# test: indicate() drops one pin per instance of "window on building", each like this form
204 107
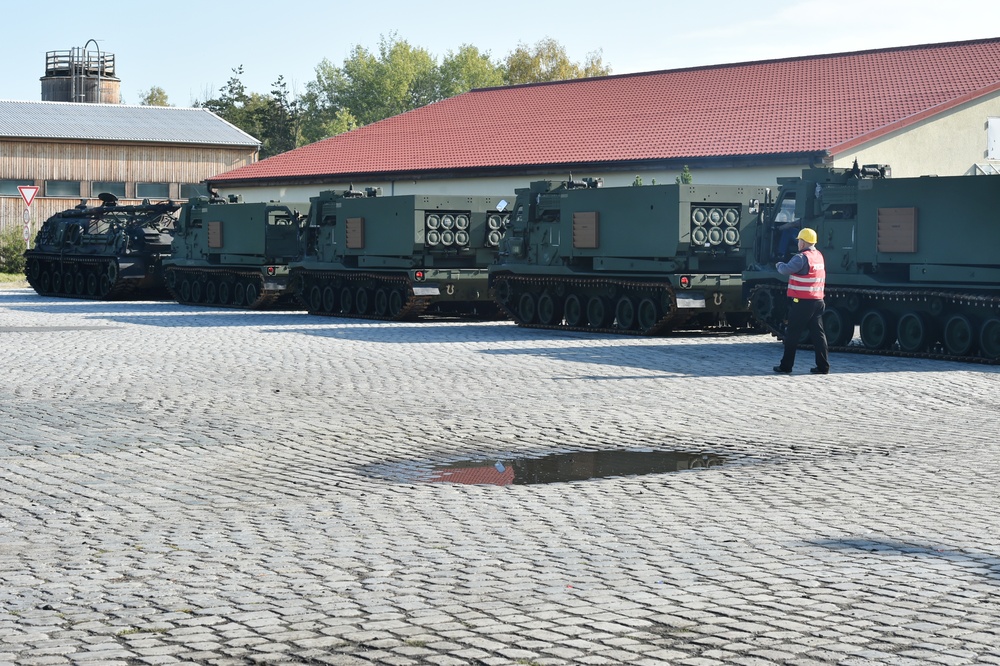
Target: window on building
189 190
99 186
152 190
62 188
8 188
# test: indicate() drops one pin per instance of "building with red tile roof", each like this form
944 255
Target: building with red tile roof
922 109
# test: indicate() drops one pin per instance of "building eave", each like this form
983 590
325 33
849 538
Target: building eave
578 168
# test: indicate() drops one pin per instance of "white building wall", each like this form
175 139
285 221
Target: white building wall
505 186
951 144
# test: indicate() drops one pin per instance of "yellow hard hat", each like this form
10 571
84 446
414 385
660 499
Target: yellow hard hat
808 235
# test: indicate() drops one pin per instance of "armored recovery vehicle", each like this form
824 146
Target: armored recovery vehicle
103 252
234 254
912 263
399 257
640 260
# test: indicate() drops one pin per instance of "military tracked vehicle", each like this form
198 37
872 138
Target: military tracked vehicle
103 252
640 260
912 264
399 257
234 254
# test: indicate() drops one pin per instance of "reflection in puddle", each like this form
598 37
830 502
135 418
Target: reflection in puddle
560 467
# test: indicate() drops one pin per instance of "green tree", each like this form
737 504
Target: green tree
273 119
278 118
369 87
466 69
685 178
12 247
320 107
231 103
547 60
341 122
399 79
155 96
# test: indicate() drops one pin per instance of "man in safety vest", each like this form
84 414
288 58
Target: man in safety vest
806 273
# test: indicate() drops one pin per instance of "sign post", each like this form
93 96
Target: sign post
28 193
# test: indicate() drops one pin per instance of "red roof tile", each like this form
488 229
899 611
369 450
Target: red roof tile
796 105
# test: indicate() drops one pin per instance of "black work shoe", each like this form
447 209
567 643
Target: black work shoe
819 371
783 371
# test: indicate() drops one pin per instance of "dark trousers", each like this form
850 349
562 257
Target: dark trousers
802 314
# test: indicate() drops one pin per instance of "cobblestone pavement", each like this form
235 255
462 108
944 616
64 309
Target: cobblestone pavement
185 485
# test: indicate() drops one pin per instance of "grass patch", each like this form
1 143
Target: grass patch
12 280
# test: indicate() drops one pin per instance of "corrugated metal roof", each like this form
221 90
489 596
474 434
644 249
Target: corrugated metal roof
796 105
118 122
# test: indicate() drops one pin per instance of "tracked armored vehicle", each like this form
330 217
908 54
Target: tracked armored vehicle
234 254
912 264
638 260
103 252
399 257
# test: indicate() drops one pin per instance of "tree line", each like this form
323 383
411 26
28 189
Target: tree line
370 86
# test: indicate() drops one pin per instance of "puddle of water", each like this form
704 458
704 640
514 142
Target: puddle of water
561 467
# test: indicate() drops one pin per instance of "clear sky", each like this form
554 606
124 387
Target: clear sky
189 48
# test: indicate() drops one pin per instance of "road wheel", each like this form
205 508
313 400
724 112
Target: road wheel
196 290
959 335
381 302
211 292
573 310
362 300
878 330
599 313
397 299
329 299
225 297
549 311
252 294
648 314
838 326
989 338
346 300
315 298
240 294
526 308
625 313
915 332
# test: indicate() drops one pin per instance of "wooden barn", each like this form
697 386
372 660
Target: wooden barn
73 151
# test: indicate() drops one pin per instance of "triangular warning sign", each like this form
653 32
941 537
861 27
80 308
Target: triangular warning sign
28 193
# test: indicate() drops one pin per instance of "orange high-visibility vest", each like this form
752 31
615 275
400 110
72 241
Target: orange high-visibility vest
809 286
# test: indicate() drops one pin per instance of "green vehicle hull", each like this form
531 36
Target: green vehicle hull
399 257
108 252
912 263
235 254
639 260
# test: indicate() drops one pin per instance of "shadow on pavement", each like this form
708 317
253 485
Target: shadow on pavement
989 564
